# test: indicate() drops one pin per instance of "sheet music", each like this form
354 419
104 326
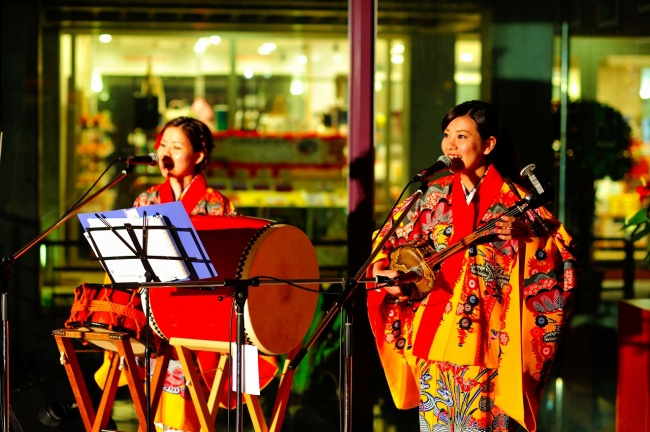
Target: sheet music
159 243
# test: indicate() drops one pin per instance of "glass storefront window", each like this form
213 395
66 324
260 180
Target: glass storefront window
277 105
389 111
468 68
608 72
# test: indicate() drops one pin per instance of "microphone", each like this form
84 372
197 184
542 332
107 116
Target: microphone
443 164
413 275
151 159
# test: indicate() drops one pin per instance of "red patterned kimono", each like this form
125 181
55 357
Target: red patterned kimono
198 198
476 352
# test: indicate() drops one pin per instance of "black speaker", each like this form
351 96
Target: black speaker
47 405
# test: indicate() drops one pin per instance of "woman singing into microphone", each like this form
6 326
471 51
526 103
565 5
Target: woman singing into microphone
475 352
183 148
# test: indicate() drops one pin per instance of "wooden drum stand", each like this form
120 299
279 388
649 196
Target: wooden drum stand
206 409
123 361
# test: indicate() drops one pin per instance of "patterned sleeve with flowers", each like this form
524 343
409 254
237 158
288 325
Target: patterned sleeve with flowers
213 203
392 321
149 197
550 277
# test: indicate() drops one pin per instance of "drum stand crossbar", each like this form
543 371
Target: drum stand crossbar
206 408
124 361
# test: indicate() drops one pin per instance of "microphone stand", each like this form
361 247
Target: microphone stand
5 276
342 299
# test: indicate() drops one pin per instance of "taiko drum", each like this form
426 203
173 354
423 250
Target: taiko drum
277 316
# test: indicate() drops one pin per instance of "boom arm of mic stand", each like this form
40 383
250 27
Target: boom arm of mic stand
352 283
5 276
6 261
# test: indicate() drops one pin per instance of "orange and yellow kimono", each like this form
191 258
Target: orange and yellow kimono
475 353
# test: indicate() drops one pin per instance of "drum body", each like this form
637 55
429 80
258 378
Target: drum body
112 310
277 317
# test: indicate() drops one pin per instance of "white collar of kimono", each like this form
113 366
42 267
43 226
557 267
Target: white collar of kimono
469 195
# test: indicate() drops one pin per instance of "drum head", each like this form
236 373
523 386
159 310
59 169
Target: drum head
277 317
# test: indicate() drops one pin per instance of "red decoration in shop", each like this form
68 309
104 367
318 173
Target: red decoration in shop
643 191
232 133
253 167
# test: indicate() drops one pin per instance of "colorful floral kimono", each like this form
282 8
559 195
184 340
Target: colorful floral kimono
198 198
475 353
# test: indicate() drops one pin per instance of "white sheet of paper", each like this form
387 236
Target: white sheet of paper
250 369
131 270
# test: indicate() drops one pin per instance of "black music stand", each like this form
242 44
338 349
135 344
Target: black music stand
120 244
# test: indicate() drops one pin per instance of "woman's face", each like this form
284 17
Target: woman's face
463 144
176 157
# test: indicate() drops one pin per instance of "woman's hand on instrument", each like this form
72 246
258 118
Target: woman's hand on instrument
512 228
396 290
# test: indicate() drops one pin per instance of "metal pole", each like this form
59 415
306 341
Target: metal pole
5 360
362 34
564 101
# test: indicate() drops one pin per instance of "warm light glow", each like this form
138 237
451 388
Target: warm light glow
302 59
467 78
105 38
378 86
214 40
466 57
557 145
397 59
267 48
43 255
297 87
96 84
248 73
644 91
397 49
338 58
201 45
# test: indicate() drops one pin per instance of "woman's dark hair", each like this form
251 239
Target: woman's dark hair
504 155
198 134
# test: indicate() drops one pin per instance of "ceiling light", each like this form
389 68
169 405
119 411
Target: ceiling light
397 59
214 40
302 59
297 87
644 91
466 57
248 73
105 38
397 49
201 45
267 48
96 84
